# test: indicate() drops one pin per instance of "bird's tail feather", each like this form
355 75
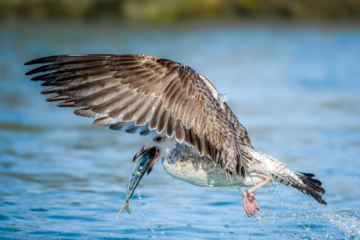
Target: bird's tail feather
309 186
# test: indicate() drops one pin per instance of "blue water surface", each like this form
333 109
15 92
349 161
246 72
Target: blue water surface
295 88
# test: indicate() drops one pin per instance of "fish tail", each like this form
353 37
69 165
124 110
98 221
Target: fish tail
126 206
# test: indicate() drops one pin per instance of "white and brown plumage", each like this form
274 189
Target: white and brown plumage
198 137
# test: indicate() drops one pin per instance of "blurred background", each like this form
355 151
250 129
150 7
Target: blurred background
175 11
290 69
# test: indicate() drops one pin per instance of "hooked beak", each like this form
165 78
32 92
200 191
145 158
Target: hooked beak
150 154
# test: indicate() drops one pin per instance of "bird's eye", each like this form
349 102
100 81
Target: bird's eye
158 139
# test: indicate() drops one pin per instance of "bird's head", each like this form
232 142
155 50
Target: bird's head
157 147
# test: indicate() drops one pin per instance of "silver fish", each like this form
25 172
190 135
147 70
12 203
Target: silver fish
147 161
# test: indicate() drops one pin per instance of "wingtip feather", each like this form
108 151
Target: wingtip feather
43 60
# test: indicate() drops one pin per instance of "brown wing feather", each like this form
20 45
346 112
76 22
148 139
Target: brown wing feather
240 129
148 91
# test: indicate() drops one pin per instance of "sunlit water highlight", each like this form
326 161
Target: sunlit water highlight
296 89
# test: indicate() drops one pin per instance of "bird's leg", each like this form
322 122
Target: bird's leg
250 205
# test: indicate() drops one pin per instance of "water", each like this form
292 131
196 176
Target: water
295 88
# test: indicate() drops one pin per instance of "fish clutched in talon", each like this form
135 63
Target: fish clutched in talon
146 162
192 129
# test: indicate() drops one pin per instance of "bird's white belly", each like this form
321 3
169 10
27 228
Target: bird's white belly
204 173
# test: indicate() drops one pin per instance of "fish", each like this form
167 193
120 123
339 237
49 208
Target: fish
147 160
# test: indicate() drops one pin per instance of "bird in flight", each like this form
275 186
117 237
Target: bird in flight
191 128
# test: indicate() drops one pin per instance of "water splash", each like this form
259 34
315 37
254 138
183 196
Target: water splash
347 220
146 219
317 223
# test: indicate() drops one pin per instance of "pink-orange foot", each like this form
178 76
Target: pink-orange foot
250 205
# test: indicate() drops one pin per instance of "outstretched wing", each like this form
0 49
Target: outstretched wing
140 93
